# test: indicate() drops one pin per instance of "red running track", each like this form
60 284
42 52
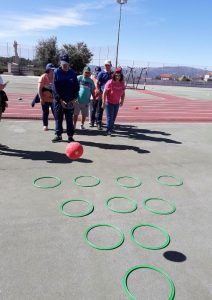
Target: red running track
160 108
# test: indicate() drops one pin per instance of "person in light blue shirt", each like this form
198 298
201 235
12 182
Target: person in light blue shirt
87 88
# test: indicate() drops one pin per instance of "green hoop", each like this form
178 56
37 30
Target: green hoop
89 176
119 243
89 211
166 235
138 182
121 211
170 282
178 183
46 186
172 210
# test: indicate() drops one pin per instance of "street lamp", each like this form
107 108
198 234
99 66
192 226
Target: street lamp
121 2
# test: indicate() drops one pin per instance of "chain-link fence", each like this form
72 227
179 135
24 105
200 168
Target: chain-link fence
136 71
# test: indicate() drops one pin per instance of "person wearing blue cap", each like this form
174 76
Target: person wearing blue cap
45 93
65 92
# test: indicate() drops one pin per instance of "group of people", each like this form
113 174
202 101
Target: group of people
68 95
89 94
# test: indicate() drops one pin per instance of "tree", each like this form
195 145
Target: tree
79 55
46 52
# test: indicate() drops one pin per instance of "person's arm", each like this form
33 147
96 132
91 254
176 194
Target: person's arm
3 85
40 86
98 85
76 88
104 97
93 92
122 99
54 86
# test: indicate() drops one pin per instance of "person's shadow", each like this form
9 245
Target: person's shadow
131 132
48 156
114 147
135 133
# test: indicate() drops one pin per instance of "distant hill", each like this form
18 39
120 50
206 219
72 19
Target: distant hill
177 71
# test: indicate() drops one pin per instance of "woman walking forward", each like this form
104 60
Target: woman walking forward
113 97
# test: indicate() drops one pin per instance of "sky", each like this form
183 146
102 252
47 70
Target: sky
163 32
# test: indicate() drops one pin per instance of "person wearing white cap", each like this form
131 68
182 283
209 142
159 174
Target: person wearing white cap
102 78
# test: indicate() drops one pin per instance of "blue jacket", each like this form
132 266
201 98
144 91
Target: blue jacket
65 85
102 78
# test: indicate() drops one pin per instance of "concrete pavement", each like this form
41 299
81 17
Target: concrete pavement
43 253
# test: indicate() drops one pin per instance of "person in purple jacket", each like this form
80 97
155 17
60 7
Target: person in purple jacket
65 92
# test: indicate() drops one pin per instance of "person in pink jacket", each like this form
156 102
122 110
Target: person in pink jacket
113 98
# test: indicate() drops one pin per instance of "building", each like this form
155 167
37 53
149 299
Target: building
165 77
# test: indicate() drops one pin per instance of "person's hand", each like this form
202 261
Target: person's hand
98 93
121 103
103 105
63 103
42 102
5 84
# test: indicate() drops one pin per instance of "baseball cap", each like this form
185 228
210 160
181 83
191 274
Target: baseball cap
98 69
86 69
64 59
118 70
108 62
50 66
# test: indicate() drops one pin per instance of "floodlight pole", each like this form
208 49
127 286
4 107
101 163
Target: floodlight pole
121 2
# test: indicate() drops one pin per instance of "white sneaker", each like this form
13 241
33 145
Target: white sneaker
82 126
45 128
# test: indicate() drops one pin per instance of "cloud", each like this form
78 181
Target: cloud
13 23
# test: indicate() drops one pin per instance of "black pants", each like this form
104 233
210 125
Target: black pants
96 112
59 113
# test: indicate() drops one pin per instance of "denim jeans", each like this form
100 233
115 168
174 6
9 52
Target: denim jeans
59 115
111 113
45 109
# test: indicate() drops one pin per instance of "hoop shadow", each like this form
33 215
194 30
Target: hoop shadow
174 256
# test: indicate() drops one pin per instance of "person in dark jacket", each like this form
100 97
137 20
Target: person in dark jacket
3 97
65 92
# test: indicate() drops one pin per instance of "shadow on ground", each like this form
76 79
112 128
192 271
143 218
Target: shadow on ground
174 256
48 156
132 132
114 147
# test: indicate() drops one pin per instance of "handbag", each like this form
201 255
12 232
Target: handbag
35 100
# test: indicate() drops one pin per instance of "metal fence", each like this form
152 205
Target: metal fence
101 53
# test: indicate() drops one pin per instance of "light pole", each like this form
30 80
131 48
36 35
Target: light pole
121 2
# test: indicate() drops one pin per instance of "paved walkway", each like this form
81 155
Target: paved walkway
44 255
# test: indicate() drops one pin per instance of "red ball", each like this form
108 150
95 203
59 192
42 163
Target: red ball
74 150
